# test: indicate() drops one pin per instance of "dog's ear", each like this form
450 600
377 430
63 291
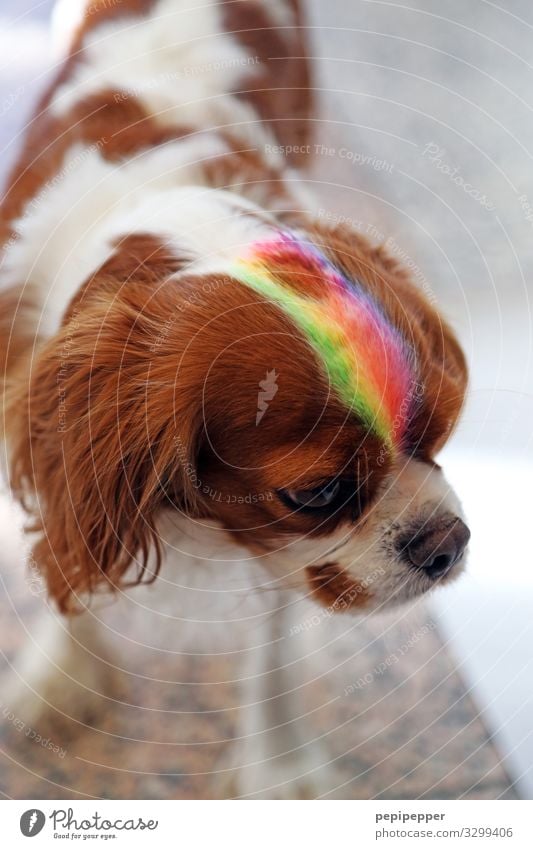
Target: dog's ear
441 364
103 432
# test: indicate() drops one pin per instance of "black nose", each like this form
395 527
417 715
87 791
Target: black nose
437 549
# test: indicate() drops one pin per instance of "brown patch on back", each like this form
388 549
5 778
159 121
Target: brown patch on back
109 121
100 12
333 587
113 121
141 257
246 172
278 86
118 125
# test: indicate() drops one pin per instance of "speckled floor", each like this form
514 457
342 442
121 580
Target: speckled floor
397 722
383 695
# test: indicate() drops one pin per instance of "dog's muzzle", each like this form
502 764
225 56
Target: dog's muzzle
436 547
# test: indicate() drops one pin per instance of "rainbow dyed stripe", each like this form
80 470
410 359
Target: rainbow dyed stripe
367 361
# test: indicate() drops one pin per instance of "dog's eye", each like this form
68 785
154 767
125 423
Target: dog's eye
311 499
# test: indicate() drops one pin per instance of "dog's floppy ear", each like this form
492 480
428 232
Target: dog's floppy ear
102 433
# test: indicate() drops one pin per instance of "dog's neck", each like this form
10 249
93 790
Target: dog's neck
74 225
148 160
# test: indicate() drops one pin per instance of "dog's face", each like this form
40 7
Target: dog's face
335 508
301 420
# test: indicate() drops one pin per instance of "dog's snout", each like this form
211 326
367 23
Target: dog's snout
437 549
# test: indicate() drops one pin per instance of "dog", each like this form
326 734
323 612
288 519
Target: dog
195 365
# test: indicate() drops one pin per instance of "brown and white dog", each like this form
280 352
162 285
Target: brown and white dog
160 404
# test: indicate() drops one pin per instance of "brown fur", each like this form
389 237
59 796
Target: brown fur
441 361
145 398
117 122
105 11
144 367
100 469
115 125
18 315
119 126
279 87
332 587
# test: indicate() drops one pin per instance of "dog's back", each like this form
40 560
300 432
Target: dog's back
138 75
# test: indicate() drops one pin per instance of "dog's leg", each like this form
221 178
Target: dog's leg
276 756
59 669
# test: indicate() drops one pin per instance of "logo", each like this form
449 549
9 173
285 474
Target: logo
32 822
268 388
65 820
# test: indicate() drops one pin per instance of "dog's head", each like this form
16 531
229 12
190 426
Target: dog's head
294 394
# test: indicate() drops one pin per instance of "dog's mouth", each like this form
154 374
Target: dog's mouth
334 587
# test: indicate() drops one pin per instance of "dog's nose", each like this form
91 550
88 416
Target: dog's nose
436 550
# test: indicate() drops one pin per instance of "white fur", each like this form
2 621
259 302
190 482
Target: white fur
210 593
177 61
64 235
413 495
280 11
67 15
68 230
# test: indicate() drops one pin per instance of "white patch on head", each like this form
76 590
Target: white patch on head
368 554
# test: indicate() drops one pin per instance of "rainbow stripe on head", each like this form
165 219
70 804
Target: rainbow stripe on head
368 363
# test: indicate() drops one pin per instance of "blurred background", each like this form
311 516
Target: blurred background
424 137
